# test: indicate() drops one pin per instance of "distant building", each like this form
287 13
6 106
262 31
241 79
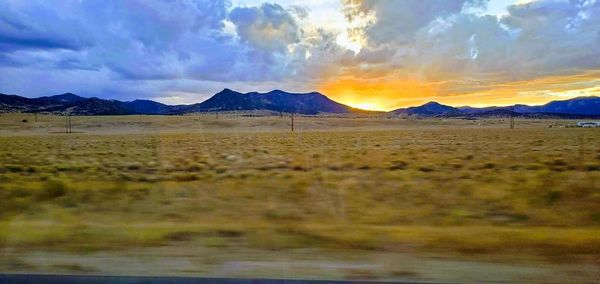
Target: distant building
587 124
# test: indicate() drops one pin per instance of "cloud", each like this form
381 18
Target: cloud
155 40
269 34
299 11
185 48
31 27
268 27
446 43
397 21
133 43
555 36
134 39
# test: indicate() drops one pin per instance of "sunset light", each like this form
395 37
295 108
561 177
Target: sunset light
378 95
366 106
299 141
377 55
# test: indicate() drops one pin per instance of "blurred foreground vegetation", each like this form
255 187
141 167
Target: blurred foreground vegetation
523 193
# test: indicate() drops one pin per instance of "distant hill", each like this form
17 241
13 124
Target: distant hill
580 105
498 112
77 105
573 108
64 98
429 109
15 103
18 103
276 100
577 106
96 106
92 106
226 100
280 101
147 107
476 110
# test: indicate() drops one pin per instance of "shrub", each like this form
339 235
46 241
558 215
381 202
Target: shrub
134 166
17 192
488 166
52 189
398 165
185 177
14 168
426 169
552 196
592 167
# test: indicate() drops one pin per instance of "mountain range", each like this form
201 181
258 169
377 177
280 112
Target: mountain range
280 101
571 108
226 100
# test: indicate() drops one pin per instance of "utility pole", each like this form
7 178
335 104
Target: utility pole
512 118
292 122
581 151
217 115
68 128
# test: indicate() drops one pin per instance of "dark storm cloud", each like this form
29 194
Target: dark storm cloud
142 40
32 28
147 48
268 27
443 41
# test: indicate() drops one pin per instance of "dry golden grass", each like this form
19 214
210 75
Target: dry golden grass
445 186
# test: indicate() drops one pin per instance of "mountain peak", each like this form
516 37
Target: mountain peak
227 90
432 103
67 97
429 109
275 100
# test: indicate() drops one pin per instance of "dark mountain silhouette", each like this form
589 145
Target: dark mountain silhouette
499 112
147 107
429 109
18 103
73 104
280 101
573 108
92 106
502 112
64 98
576 106
580 105
96 106
476 110
276 100
226 100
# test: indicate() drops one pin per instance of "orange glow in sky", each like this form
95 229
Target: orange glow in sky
386 95
376 95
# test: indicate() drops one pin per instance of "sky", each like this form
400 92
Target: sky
372 54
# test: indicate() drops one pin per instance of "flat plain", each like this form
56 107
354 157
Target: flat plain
364 197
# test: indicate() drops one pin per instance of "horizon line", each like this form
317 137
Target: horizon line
305 93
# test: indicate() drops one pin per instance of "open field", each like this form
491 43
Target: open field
370 197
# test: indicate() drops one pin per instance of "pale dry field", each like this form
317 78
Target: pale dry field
340 197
